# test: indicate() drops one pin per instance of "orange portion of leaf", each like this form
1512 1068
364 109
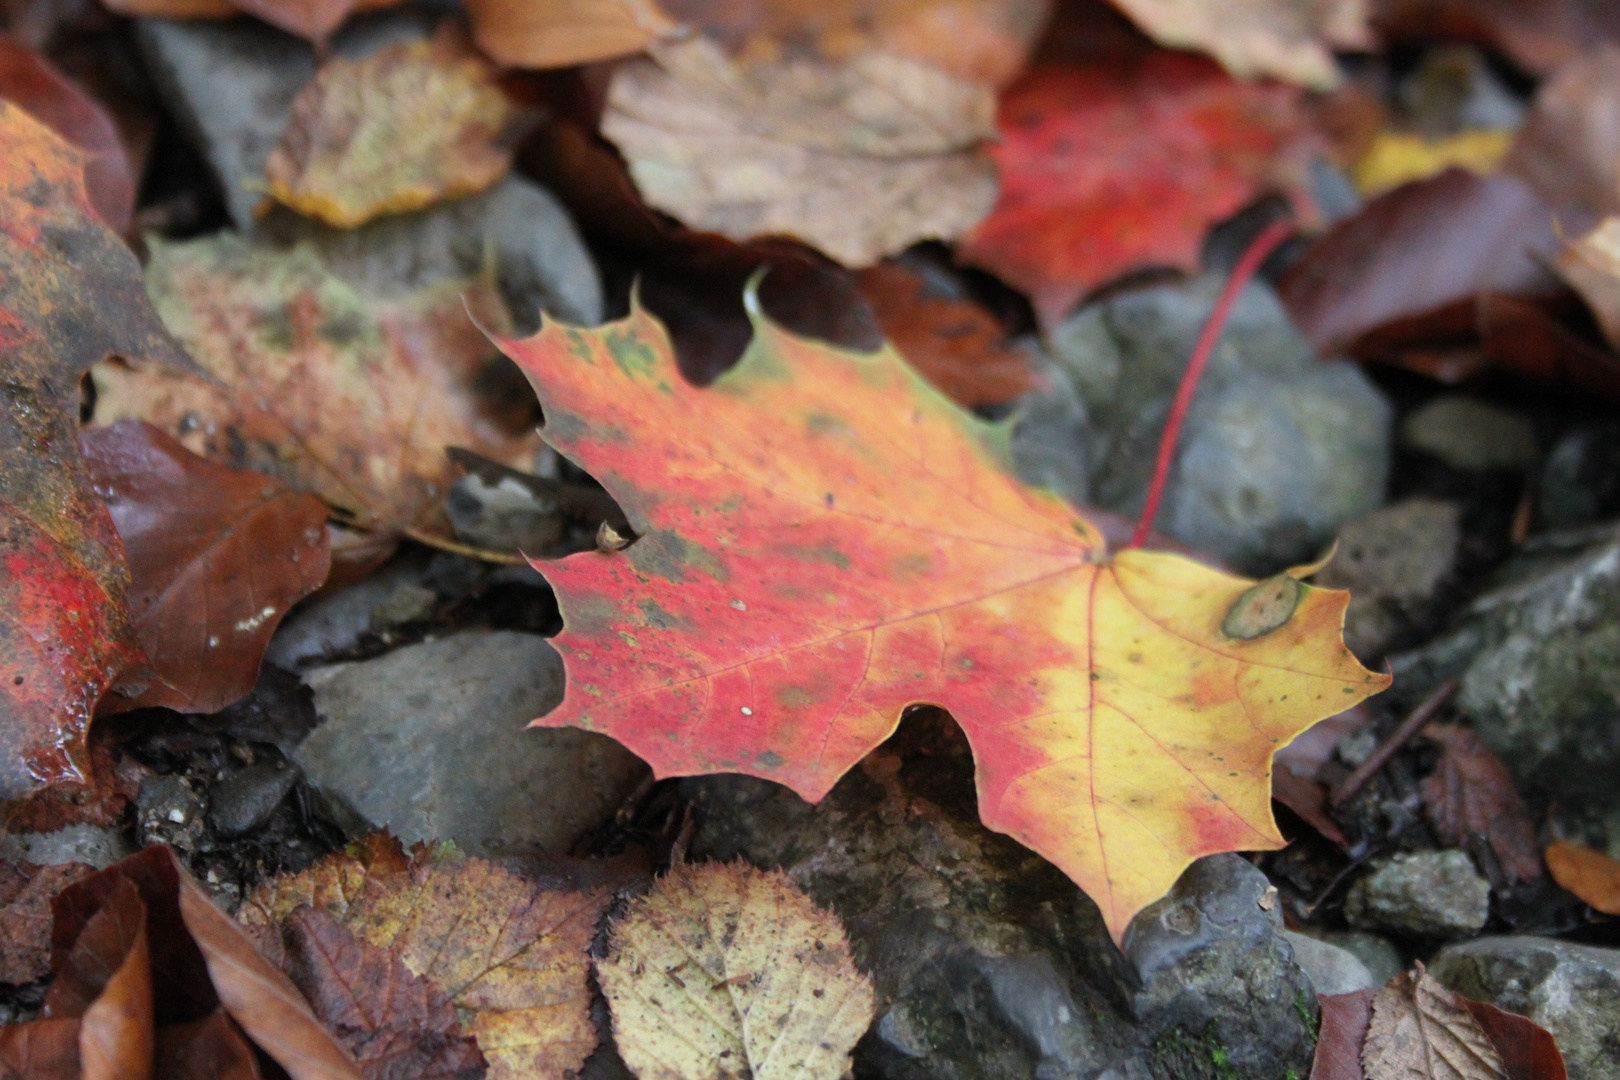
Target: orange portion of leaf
1590 875
561 33
1119 166
826 540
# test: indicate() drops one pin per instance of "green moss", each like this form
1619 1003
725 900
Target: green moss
1181 1056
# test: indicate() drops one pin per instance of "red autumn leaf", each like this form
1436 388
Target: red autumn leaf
218 555
1529 1052
826 540
25 916
1122 165
1338 1041
1471 794
70 294
29 80
957 345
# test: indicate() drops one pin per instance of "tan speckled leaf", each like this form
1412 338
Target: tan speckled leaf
1422 1031
725 970
511 956
409 126
334 392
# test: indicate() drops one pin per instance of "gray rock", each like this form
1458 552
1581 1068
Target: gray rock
1332 970
1381 957
1471 435
1538 656
1279 449
1049 436
429 740
97 845
987 960
1436 894
503 515
332 622
408 602
1396 562
168 811
1580 482
247 799
1571 990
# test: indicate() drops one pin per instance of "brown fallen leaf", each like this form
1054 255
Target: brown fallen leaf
1543 338
1287 39
512 957
208 1049
25 916
408 126
313 20
956 344
1338 1040
105 982
561 33
1529 1052
860 159
1471 795
398 1026
727 970
29 80
1590 875
218 556
1591 265
333 392
1568 149
41 1050
1421 1031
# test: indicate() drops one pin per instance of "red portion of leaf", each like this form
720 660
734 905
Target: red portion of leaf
70 293
1422 249
31 81
398 1026
1525 337
957 345
209 1049
1471 794
25 916
1528 1050
218 556
1345 1018
1123 165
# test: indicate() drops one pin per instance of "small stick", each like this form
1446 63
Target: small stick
455 547
1386 750
1254 256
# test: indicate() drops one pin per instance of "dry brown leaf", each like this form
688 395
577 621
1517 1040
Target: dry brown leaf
1590 875
1422 1031
725 970
398 1026
1288 39
511 956
25 916
406 127
105 982
861 159
1592 267
1470 793
561 33
346 396
209 1049
1568 149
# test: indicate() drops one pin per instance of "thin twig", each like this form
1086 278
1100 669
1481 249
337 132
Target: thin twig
1386 750
455 547
1254 256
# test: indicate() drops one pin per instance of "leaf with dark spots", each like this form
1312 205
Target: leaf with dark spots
1470 795
70 295
862 544
218 556
25 916
398 1026
29 80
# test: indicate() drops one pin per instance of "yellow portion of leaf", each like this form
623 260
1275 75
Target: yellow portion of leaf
1394 158
725 970
407 127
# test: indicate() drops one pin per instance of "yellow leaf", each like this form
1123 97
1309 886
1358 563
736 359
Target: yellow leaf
1396 157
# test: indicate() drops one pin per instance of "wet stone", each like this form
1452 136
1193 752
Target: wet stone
248 798
1279 448
430 740
1428 894
168 811
1471 435
1580 482
1332 970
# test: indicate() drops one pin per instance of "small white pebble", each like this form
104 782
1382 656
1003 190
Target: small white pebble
739 605
213 642
177 815
746 711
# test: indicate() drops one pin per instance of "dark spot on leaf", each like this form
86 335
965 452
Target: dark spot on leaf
1262 608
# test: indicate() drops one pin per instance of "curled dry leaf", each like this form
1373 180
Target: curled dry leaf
29 80
1422 1031
512 957
218 557
333 392
1122 165
25 916
411 125
860 159
1590 875
1471 794
725 970
805 572
105 982
398 1026
956 344
70 294
1591 265
208 1049
1287 39
561 33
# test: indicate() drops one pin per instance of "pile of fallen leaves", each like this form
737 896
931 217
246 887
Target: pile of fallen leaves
789 518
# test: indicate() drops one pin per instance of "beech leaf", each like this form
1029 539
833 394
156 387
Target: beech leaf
725 970
25 916
1422 1031
825 540
1471 794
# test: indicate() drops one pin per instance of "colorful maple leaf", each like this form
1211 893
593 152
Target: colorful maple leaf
825 540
